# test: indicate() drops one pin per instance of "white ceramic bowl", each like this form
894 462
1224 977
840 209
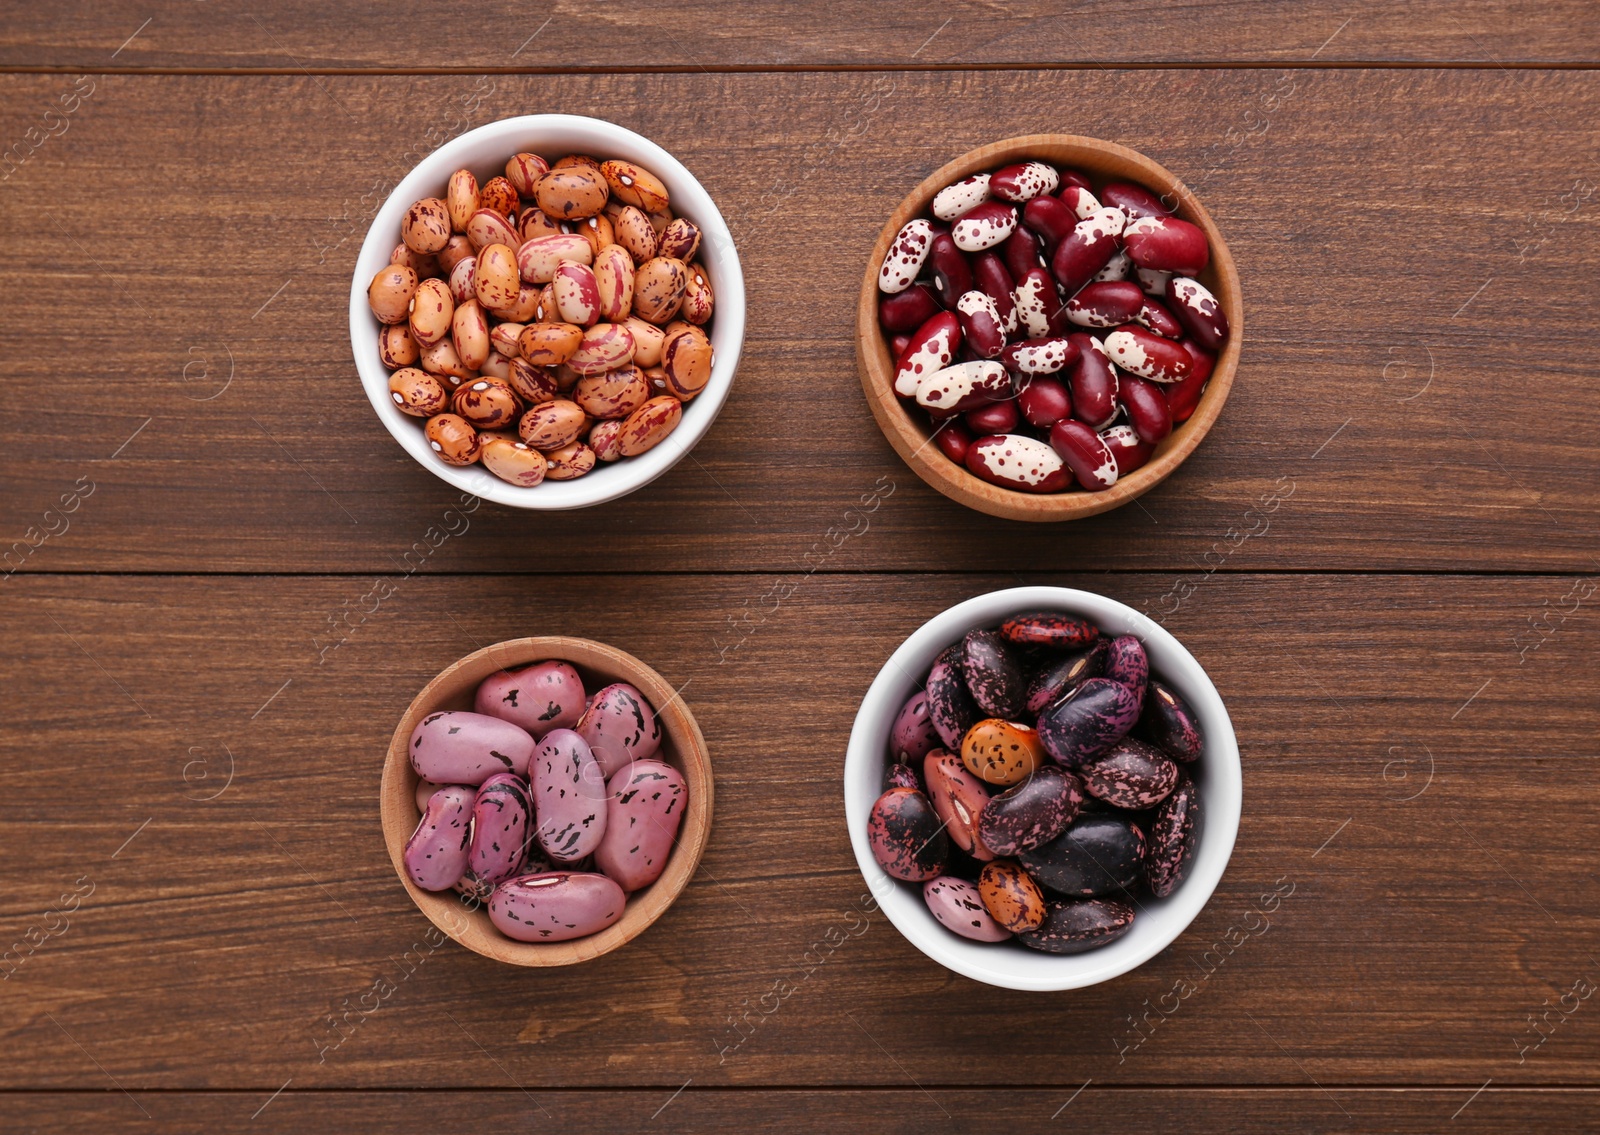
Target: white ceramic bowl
484 151
1158 922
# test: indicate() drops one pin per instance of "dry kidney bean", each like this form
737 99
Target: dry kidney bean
510 293
1017 277
1065 855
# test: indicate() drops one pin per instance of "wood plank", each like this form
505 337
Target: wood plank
724 33
901 1112
1406 375
1425 789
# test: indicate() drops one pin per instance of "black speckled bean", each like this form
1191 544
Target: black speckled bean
950 707
1169 724
1098 854
994 676
1133 774
1073 927
1033 812
1088 721
1172 839
897 775
1059 678
907 836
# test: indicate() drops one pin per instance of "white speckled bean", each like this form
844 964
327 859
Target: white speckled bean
954 200
643 812
457 747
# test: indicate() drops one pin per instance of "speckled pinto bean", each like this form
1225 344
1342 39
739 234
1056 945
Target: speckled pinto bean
460 747
620 726
1036 300
426 227
571 193
486 227
605 346
961 198
569 792
950 706
502 830
1127 448
1011 896
1040 356
577 294
644 808
436 854
389 294
906 255
418 393
569 462
1088 721
649 425
1127 663
686 359
957 906
556 906
396 347
1148 355
913 735
958 797
1082 450
489 404
634 185
513 461
614 394
658 288
537 698
1023 181
984 226
931 349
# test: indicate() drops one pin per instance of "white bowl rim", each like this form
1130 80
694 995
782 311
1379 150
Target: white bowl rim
506 137
1160 921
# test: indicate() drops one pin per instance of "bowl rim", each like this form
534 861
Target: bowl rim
908 437
902 903
717 253
398 811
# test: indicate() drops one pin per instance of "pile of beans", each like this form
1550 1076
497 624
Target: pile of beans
546 804
547 319
1038 784
1053 333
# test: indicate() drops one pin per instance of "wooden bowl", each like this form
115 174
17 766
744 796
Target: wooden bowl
1101 162
682 746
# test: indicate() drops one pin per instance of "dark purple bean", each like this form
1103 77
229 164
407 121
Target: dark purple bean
1132 775
1126 663
1088 721
1030 813
897 775
1058 679
1172 839
950 707
1098 854
1074 927
1169 724
994 676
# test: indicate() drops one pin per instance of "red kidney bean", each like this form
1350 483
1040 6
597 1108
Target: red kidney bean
1146 354
1134 200
1023 181
964 386
1017 462
1037 301
1085 454
1146 406
898 345
1040 356
993 280
1044 401
1079 200
1130 453
1154 283
995 418
1051 218
965 195
932 348
1154 315
952 275
1073 177
982 329
984 226
1086 249
1021 252
1168 244
908 310
953 439
1093 382
1198 310
1184 395
1105 305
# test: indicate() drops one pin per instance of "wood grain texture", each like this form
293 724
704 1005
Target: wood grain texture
1418 270
1413 876
857 33
1095 1111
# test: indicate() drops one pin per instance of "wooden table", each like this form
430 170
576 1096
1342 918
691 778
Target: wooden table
199 684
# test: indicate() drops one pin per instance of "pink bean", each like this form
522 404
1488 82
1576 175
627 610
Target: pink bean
644 809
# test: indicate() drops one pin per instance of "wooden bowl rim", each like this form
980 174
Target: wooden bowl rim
909 438
688 753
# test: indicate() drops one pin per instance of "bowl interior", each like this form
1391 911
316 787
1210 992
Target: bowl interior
485 151
682 746
1102 162
1158 922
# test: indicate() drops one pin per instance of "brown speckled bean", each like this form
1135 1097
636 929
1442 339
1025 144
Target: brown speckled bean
649 425
426 227
658 288
389 294
614 394
418 393
453 439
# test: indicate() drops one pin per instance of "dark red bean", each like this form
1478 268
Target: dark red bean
898 345
952 275
1106 304
1154 315
1125 445
1147 407
953 438
1018 462
1093 382
1086 249
1051 218
1184 395
1146 354
1077 927
1021 253
995 418
993 279
1198 310
1044 401
1167 244
1073 177
1085 454
1134 200
1040 356
908 310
